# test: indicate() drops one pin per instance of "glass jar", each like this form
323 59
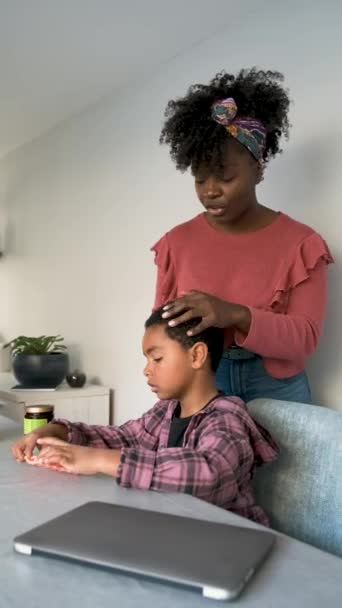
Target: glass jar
36 416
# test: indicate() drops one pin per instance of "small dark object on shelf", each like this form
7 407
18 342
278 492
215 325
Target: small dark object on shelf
76 379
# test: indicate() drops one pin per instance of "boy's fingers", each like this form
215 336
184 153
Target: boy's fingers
18 453
48 465
54 460
47 451
51 441
51 452
29 447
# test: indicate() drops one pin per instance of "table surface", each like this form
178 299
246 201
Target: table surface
295 574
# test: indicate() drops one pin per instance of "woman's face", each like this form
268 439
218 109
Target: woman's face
229 193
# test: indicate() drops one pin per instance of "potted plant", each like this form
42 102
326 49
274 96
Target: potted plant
39 362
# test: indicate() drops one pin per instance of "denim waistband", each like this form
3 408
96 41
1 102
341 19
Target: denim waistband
236 353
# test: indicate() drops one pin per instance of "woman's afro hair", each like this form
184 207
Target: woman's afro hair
196 139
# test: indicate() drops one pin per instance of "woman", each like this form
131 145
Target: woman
241 265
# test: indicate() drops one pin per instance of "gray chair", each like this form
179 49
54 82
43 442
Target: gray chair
302 490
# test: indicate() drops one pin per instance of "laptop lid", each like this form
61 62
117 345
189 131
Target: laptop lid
218 558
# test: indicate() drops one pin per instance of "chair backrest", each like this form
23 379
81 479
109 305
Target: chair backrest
302 491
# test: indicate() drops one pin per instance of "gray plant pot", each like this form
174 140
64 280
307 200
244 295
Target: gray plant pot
41 371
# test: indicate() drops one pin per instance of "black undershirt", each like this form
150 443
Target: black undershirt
179 425
177 429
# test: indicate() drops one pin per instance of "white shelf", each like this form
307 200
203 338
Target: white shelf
90 404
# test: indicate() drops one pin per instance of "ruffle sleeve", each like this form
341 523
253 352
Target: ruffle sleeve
309 254
166 287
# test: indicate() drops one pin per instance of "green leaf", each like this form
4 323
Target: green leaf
37 345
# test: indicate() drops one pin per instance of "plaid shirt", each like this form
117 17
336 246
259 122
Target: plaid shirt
221 448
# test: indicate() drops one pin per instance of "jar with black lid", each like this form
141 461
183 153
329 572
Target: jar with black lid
36 416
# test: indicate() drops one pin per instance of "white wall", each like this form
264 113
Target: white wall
87 200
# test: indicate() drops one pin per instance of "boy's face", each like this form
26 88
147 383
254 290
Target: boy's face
168 369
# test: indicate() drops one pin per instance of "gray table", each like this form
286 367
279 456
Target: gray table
295 574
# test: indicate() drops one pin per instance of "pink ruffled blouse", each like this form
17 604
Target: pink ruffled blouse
279 272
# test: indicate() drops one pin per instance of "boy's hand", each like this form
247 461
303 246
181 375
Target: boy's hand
75 458
23 448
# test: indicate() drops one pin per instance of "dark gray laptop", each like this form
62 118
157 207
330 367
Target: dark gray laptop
217 558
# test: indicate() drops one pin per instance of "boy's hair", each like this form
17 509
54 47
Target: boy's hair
195 139
213 337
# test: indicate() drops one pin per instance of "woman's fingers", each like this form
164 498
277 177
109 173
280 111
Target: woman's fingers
187 316
178 306
204 324
192 301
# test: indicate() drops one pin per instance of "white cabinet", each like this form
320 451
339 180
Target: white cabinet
90 404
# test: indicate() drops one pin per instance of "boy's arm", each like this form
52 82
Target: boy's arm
127 435
214 471
98 436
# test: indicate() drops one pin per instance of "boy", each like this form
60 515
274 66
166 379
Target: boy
193 440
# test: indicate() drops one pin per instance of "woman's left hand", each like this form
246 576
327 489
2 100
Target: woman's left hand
213 312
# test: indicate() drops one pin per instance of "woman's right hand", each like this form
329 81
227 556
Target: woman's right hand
23 448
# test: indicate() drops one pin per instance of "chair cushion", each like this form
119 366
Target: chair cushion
302 490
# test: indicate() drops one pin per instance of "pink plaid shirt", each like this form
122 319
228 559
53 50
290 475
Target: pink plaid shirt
221 448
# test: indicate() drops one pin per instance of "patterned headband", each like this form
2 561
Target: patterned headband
250 132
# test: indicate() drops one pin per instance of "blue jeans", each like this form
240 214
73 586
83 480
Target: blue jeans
249 380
